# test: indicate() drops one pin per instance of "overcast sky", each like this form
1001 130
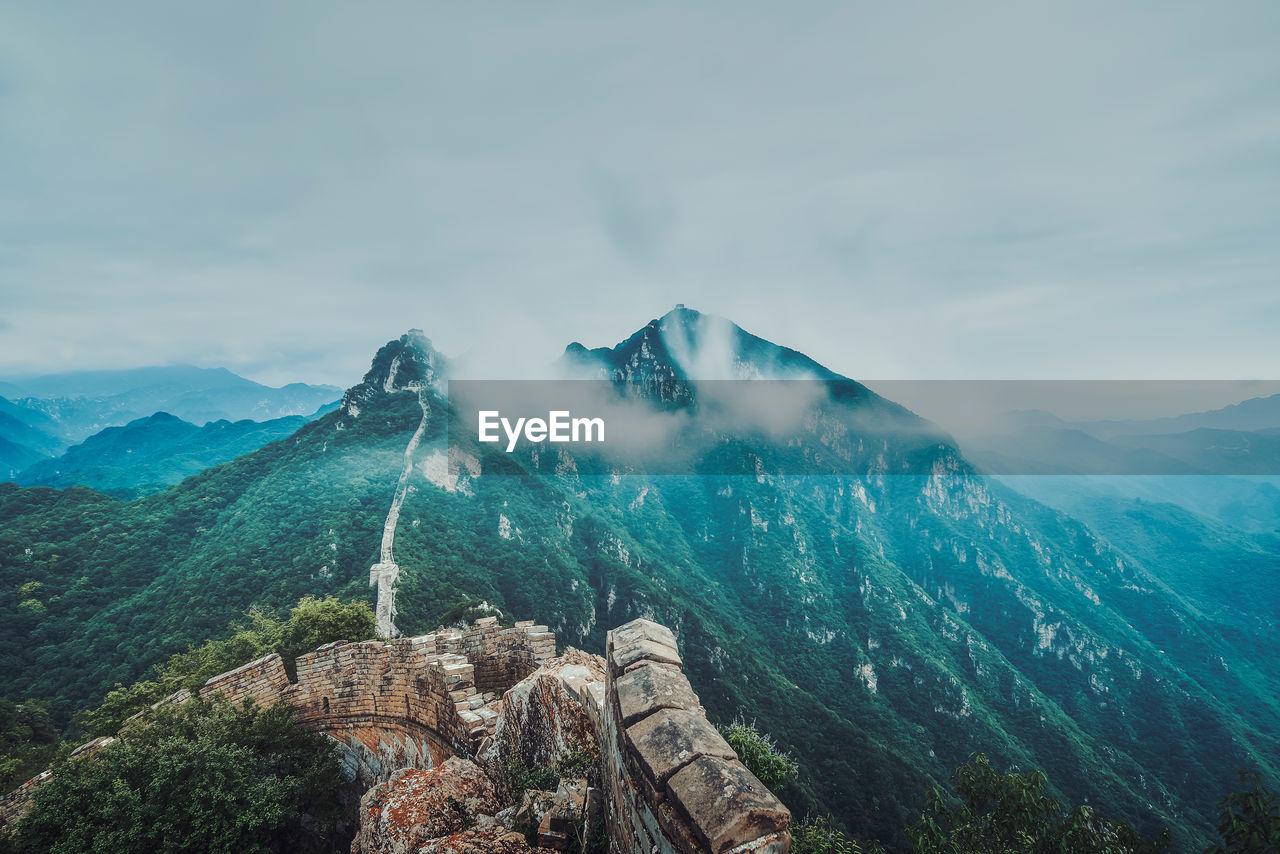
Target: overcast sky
950 190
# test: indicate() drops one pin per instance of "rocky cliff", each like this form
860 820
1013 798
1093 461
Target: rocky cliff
478 739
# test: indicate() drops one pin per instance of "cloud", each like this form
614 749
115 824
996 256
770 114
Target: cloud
636 219
983 190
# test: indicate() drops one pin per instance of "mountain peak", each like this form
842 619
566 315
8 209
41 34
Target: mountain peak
685 344
407 363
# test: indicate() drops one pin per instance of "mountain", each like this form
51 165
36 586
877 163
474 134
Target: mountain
1259 413
151 453
1255 452
83 403
1048 449
1044 449
1227 574
881 626
14 458
24 438
28 428
1248 504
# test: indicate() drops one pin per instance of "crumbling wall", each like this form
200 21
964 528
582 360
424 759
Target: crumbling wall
674 784
14 804
404 703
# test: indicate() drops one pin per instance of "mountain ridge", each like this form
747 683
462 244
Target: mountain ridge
881 627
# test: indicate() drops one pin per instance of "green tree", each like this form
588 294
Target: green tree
1012 814
757 750
1249 821
200 777
28 742
311 623
821 836
314 622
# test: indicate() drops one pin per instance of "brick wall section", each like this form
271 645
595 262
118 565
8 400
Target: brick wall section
404 703
675 785
14 804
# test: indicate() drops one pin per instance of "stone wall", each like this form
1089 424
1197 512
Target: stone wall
404 703
675 786
672 783
14 804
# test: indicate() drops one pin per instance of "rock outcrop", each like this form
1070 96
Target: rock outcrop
545 717
479 741
415 807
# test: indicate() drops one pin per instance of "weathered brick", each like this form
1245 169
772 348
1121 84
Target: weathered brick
726 805
645 690
668 740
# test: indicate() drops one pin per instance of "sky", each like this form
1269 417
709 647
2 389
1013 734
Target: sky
900 190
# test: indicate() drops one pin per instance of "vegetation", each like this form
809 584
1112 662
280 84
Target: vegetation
311 623
760 754
1249 821
199 777
28 742
822 835
518 774
1012 814
879 628
151 453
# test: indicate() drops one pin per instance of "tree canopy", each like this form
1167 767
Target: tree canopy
203 776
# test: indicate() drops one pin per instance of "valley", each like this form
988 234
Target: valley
880 626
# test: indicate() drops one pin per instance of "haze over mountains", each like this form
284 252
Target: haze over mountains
151 453
41 417
881 626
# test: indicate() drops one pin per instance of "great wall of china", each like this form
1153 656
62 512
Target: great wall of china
671 784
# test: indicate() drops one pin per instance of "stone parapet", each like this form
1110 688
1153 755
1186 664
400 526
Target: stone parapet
405 703
675 785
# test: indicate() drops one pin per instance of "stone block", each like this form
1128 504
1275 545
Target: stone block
645 690
636 653
670 739
726 805
642 630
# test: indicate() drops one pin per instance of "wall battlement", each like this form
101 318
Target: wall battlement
405 703
675 785
672 784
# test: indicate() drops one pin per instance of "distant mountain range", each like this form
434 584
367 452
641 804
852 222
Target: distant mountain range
1259 413
42 417
880 626
154 452
1224 463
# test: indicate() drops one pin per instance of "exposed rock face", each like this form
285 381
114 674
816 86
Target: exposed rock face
545 717
494 839
633 759
417 807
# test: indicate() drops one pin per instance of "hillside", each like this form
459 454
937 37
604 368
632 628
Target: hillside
72 407
151 453
881 626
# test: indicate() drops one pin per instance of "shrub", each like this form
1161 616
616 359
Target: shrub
756 749
999 813
821 836
311 623
200 777
1249 821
